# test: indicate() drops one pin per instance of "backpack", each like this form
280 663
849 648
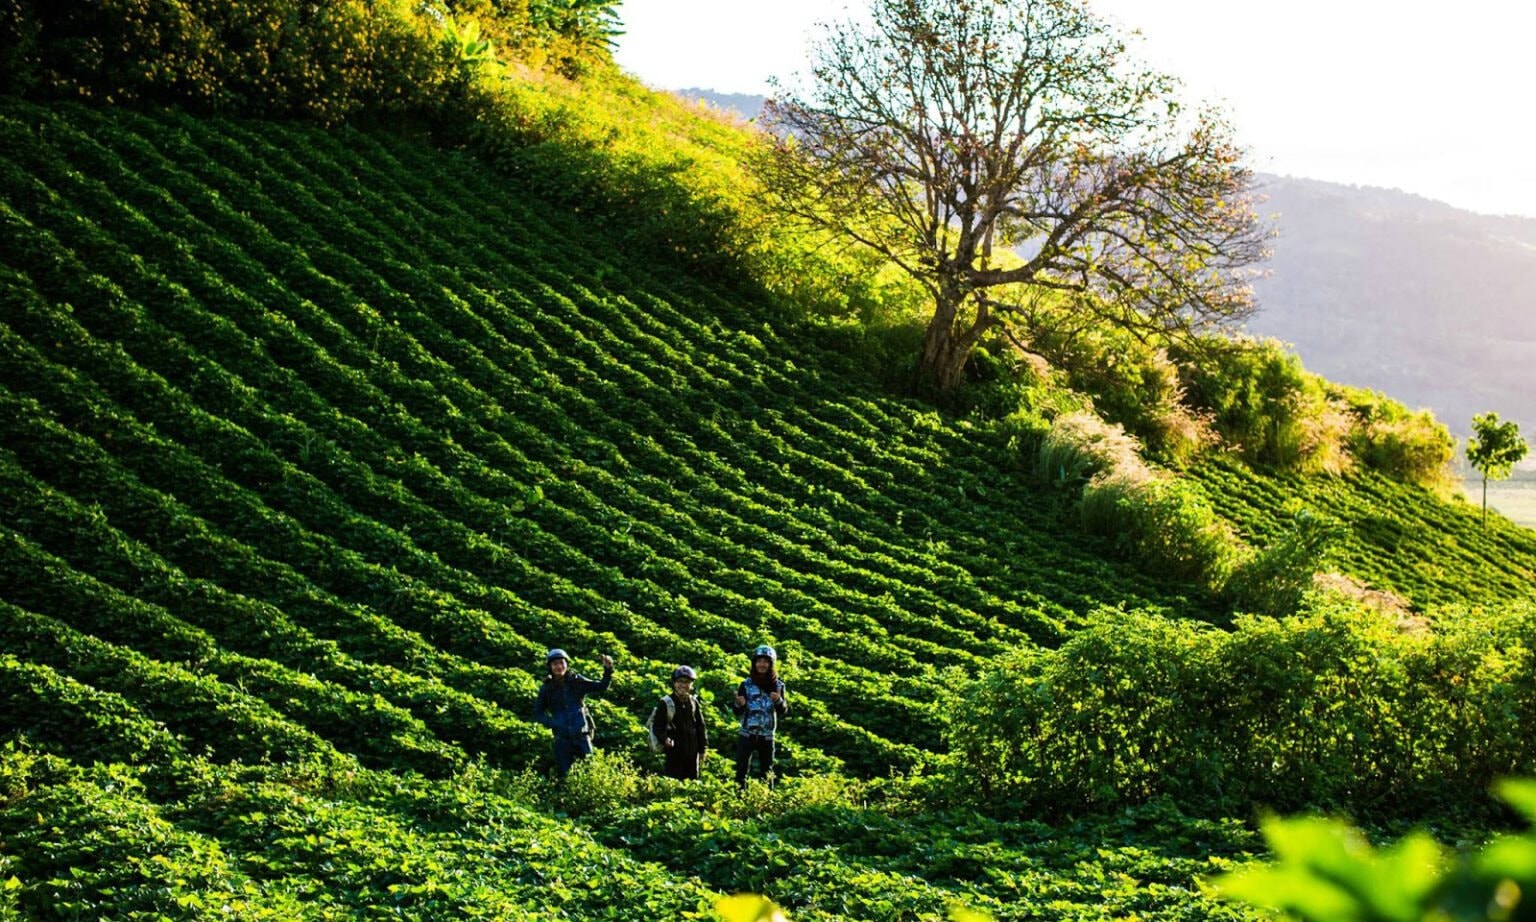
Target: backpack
650 729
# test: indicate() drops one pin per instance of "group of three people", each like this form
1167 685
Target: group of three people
677 721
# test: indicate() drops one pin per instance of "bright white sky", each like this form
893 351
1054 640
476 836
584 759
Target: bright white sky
1437 99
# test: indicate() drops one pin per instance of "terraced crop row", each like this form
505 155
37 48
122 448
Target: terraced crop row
449 448
311 443
1397 538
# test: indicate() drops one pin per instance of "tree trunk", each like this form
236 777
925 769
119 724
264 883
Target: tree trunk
941 366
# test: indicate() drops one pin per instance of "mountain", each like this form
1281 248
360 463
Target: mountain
1383 289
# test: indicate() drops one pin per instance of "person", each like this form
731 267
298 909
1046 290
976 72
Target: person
680 728
760 702
561 706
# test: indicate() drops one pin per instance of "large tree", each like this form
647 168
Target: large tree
940 131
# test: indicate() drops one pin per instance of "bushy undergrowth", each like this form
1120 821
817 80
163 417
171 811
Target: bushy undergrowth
1274 580
1336 708
1154 518
1411 446
399 62
1275 414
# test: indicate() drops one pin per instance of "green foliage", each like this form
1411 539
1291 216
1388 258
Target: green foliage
345 61
1160 521
1163 523
1395 538
1410 446
1325 871
1080 446
1495 447
1333 708
330 62
599 783
1264 404
1273 581
1131 381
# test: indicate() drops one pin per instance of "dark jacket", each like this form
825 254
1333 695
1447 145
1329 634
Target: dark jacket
561 706
691 737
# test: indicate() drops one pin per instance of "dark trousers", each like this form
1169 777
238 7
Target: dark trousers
746 746
568 749
683 764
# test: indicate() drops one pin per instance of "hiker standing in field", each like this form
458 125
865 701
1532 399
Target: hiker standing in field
561 706
760 702
677 725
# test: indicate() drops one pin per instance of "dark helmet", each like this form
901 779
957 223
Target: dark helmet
765 650
684 672
555 654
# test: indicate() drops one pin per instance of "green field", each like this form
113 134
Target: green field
314 441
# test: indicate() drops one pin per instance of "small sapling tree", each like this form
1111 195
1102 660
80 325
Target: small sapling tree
940 132
1494 450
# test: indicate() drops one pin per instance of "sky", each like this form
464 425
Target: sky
1434 99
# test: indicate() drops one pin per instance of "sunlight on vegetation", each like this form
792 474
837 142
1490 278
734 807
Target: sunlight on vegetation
354 355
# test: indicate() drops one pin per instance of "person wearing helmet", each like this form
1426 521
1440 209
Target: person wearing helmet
760 702
561 706
677 723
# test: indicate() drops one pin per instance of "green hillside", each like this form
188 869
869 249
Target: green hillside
315 440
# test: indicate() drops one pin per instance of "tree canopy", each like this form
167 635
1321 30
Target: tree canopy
942 132
1494 450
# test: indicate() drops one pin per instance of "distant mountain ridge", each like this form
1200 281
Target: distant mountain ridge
1392 291
1388 290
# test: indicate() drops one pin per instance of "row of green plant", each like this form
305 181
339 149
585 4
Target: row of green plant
1395 537
307 840
343 527
318 839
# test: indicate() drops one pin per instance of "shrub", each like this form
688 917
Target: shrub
1130 381
1334 708
1411 446
1273 580
284 58
602 782
1264 404
1079 446
1161 522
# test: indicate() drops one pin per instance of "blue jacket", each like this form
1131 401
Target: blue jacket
760 715
561 706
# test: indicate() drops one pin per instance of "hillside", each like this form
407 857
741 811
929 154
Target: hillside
314 441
